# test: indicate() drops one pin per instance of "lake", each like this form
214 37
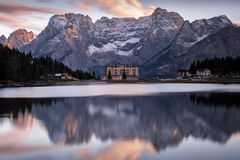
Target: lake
120 122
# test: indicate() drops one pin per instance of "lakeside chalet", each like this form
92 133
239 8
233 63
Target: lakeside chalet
200 74
183 73
203 73
63 76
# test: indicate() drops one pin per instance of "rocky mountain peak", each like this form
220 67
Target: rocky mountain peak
3 37
103 19
19 38
218 21
159 11
61 21
167 19
204 27
20 32
3 40
225 19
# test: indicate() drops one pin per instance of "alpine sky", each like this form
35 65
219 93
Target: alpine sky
34 14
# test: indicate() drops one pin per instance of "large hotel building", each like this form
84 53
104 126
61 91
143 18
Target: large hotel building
121 72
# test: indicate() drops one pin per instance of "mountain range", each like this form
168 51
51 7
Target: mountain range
159 43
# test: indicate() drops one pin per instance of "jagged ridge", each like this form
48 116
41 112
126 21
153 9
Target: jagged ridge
78 42
156 41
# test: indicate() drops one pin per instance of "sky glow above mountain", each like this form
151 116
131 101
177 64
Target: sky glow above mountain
34 14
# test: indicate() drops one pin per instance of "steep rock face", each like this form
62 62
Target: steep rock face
66 38
78 42
3 40
174 56
225 43
20 38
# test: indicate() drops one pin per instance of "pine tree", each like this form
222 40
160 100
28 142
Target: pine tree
17 66
109 75
222 66
124 76
193 68
94 75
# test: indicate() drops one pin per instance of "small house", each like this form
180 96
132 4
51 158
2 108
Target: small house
183 74
66 76
203 73
57 75
63 76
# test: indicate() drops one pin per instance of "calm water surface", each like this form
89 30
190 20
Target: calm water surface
121 122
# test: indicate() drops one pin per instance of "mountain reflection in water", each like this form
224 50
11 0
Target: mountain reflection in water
156 122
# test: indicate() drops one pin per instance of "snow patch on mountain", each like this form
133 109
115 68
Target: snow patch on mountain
109 47
201 38
125 53
105 48
131 41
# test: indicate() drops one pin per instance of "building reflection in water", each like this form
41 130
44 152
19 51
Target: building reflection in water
155 122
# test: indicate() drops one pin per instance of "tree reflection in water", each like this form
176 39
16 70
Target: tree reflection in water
216 99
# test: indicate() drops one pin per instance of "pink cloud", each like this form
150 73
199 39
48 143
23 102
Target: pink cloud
14 14
123 8
15 8
12 21
84 5
237 22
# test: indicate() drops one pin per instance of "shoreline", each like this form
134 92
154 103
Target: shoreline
47 83
4 84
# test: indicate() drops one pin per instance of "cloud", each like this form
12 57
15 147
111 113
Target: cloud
123 8
119 8
237 22
12 21
14 14
15 8
23 15
84 5
45 1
